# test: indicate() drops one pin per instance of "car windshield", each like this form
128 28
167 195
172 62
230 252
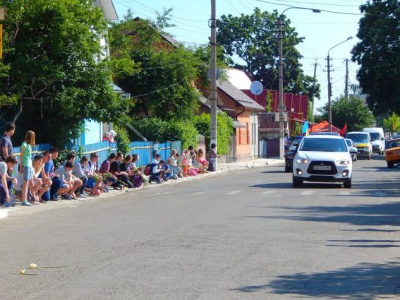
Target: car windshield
324 145
393 144
349 143
358 137
374 136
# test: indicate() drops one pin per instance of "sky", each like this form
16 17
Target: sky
323 31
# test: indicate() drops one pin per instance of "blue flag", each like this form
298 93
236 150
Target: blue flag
305 128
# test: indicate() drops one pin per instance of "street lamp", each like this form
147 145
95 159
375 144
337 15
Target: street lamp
281 105
329 83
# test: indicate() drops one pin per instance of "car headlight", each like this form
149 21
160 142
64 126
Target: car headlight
302 161
343 162
366 148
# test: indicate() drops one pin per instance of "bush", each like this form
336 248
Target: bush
123 140
224 130
154 129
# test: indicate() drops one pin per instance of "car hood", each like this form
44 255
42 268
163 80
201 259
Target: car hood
393 149
318 155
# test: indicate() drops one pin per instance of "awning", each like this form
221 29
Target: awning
237 124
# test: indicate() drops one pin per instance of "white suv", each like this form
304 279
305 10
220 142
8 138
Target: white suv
323 158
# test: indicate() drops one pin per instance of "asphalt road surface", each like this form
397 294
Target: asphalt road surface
240 235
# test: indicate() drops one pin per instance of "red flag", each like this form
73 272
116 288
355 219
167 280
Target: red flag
343 130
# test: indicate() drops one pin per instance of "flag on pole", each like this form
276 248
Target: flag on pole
304 130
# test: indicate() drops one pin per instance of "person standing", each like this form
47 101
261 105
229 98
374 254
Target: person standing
25 165
212 157
5 142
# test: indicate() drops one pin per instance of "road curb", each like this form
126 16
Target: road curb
3 213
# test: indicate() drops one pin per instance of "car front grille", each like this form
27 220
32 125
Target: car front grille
322 168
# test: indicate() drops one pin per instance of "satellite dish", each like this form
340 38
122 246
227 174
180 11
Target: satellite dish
256 88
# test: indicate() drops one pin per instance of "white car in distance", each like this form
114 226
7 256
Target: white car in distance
323 158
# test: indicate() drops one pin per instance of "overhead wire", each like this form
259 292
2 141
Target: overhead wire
158 90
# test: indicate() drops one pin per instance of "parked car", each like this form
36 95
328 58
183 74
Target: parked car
350 144
289 155
362 141
323 158
392 153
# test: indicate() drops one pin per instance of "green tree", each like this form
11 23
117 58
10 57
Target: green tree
53 69
378 54
253 38
352 112
162 87
224 133
155 129
392 123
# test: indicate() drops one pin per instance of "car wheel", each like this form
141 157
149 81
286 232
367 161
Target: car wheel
347 184
288 169
390 164
297 182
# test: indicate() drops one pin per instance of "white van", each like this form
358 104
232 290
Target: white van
377 139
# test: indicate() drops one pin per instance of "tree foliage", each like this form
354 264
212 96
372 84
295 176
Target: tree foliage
253 38
155 129
392 123
53 68
162 87
224 133
378 54
352 112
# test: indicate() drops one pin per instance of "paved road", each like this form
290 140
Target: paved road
242 235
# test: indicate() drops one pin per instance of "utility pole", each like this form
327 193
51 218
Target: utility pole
328 58
213 76
346 84
281 106
313 96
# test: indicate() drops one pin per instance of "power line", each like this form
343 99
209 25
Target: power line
159 90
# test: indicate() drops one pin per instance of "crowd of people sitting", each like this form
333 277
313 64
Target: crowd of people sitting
39 181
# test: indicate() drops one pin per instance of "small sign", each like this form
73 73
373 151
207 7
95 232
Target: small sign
217 74
281 117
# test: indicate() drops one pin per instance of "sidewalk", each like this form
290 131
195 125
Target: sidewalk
221 169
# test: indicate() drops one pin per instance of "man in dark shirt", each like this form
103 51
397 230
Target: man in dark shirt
5 142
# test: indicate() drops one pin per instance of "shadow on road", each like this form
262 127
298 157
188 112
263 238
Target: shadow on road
285 185
363 281
362 215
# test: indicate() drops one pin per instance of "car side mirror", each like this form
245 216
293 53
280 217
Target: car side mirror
353 151
293 148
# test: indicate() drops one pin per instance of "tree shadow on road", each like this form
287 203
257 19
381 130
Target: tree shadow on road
363 281
285 185
382 214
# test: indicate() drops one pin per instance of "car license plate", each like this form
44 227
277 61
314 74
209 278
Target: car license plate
322 168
